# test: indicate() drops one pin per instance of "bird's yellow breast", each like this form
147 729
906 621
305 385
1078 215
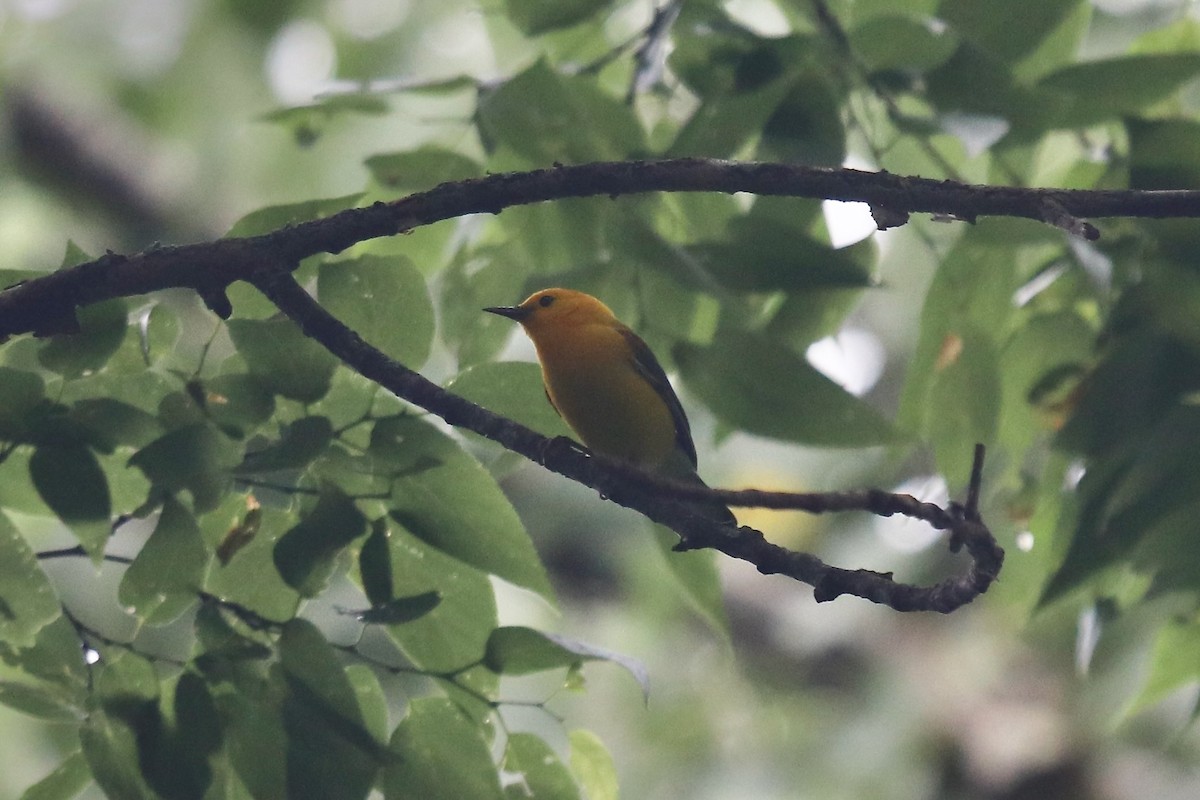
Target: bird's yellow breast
592 381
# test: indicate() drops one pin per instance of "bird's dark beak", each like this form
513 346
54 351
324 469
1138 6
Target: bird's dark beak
517 313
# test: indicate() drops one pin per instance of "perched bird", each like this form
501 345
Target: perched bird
606 383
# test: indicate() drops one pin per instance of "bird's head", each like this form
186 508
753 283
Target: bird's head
553 309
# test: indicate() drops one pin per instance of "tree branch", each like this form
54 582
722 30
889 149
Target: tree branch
46 305
645 493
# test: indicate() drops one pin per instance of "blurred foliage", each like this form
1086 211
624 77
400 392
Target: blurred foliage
231 569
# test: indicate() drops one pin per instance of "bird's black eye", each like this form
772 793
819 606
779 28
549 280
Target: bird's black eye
545 300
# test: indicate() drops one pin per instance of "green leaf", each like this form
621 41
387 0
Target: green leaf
1164 154
102 328
237 403
535 17
725 121
546 117
695 572
305 556
423 168
70 481
400 610
512 389
896 42
67 780
255 734
27 601
196 458
372 701
991 25
286 361
110 747
385 301
763 255
455 632
58 680
806 125
375 564
300 443
158 330
330 754
1174 663
114 423
455 505
756 385
593 766
39 701
309 122
20 393
544 776
972 291
440 755
1096 91
963 405
265 220
1136 385
251 578
518 650
162 582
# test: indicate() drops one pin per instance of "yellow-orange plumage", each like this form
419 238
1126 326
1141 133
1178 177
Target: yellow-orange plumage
605 382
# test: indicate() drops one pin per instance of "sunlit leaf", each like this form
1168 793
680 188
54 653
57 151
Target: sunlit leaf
299 444
286 361
422 168
753 383
163 580
456 505
440 755
329 752
66 781
400 610
385 301
70 481
27 601
519 650
695 572
512 389
110 747
102 329
455 632
305 555
593 766
546 117
544 776
1175 662
268 219
196 458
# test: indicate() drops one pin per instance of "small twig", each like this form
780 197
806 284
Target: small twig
975 485
78 552
88 634
1055 214
651 56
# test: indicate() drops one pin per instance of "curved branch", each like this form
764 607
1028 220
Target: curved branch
652 495
46 305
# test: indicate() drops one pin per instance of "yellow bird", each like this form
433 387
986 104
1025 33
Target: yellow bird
606 383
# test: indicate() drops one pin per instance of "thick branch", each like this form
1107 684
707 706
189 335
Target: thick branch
645 493
46 305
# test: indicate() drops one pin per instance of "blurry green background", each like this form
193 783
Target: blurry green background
129 122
